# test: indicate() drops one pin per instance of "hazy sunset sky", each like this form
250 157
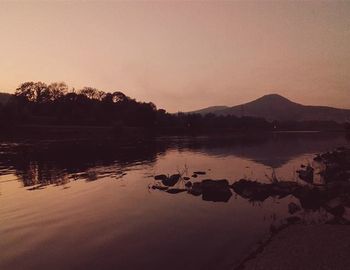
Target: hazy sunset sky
182 55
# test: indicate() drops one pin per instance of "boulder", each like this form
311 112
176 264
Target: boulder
293 208
188 184
196 189
212 190
159 187
160 177
216 190
172 180
176 190
307 174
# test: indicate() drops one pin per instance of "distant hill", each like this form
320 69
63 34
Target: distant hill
275 107
4 97
211 109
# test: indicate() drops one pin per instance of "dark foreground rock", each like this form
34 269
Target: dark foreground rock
306 174
336 163
333 197
309 247
293 208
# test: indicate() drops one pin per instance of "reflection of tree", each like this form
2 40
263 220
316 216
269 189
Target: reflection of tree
54 162
61 162
34 173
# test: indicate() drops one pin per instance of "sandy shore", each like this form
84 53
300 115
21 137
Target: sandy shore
306 247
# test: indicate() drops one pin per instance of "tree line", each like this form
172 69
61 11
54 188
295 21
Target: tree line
38 103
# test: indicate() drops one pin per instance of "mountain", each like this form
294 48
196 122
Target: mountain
275 107
211 109
4 97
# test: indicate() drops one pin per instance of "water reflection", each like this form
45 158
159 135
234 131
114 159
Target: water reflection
109 224
38 164
46 163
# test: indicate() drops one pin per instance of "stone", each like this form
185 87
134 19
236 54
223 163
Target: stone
293 208
160 177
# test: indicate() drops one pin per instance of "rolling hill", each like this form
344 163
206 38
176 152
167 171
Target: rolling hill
276 107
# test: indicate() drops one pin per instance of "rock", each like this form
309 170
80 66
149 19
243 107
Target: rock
216 190
196 189
194 175
346 214
293 208
172 180
188 184
199 173
318 158
256 191
186 178
335 207
337 211
252 190
293 220
159 187
310 198
335 202
176 190
160 177
307 174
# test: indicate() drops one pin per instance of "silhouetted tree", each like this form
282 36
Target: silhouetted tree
38 103
37 92
58 89
92 93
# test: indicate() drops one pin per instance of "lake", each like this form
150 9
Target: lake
89 205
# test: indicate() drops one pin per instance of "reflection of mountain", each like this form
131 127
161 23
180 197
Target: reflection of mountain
273 150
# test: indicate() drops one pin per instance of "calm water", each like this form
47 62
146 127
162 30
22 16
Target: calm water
79 205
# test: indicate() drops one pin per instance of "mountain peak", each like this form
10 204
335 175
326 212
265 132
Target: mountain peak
274 97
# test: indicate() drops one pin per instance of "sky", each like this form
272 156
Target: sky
182 55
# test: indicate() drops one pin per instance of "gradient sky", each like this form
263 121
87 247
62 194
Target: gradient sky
182 55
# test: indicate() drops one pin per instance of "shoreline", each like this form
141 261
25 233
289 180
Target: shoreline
300 246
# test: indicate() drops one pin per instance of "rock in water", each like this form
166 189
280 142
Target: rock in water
307 174
176 190
216 190
160 177
172 180
188 184
159 187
